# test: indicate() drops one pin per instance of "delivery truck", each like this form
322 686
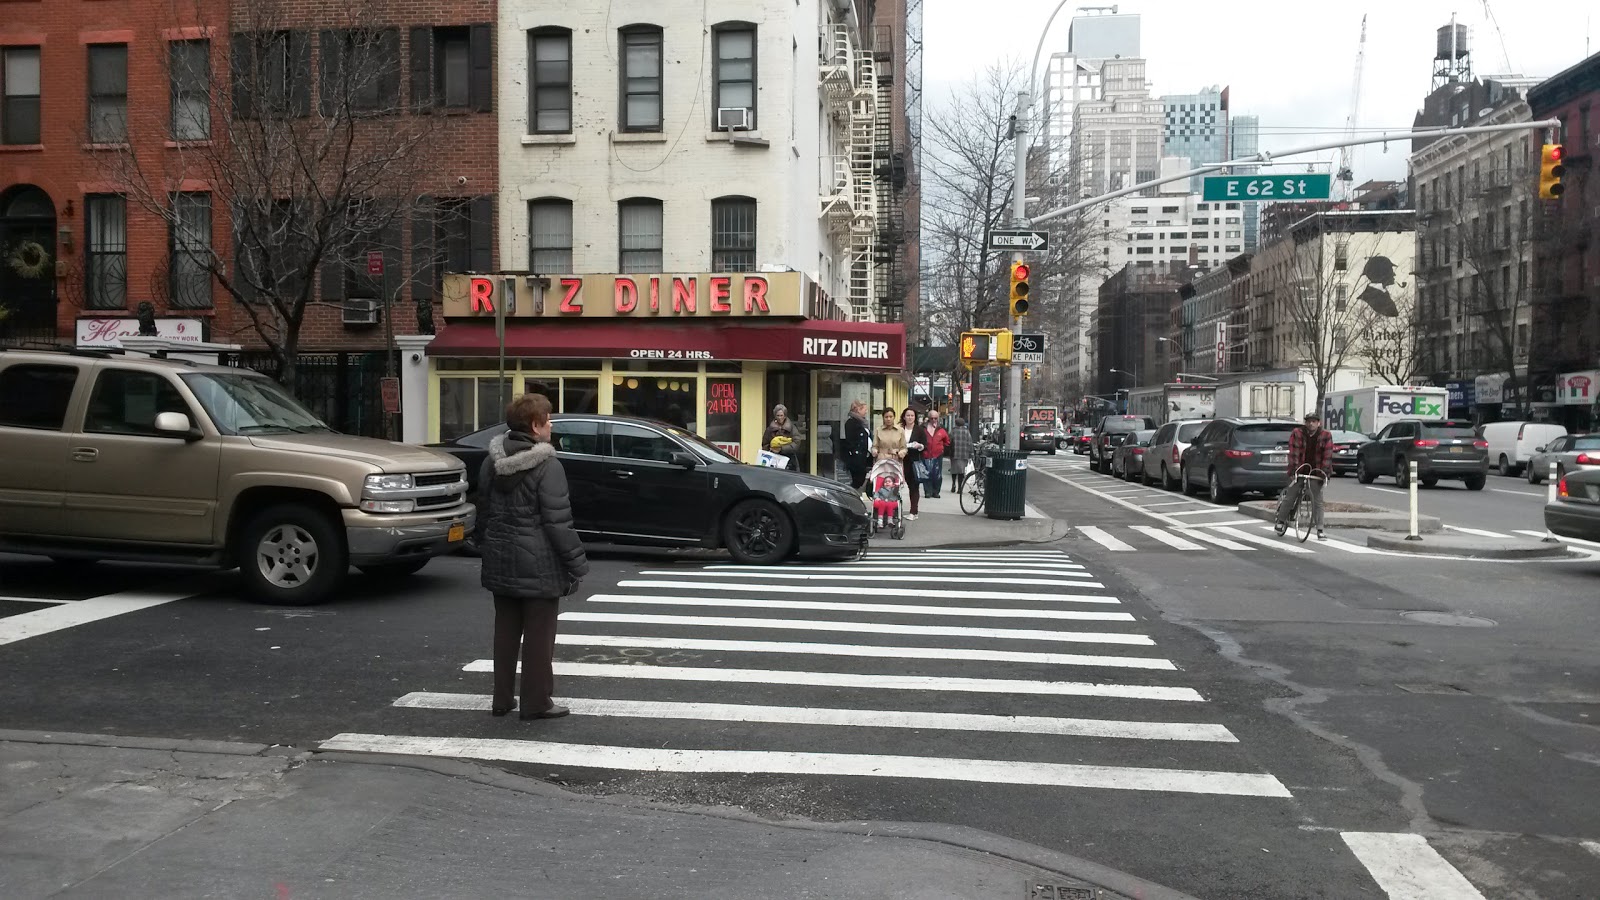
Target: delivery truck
1280 399
1188 401
1370 410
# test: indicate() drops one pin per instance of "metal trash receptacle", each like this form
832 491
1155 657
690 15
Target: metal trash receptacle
1005 484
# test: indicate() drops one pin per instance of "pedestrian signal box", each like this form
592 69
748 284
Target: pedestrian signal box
985 348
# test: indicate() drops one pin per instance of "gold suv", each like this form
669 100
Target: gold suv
118 457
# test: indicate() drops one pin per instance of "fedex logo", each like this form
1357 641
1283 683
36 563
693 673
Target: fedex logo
1409 405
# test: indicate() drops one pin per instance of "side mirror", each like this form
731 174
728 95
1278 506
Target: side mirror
686 460
176 424
1372 435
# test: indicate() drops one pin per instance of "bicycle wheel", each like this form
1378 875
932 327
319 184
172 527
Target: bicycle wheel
1302 516
972 493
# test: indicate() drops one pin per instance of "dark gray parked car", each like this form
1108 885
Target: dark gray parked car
1127 460
1443 448
1235 455
1576 512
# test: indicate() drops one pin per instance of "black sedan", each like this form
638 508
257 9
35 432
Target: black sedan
1576 511
635 481
1346 445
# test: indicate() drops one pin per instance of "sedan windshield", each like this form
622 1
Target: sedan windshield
251 404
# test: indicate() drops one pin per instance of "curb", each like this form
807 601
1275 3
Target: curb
1266 510
1119 884
1037 531
1484 548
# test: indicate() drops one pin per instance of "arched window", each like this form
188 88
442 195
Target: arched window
549 81
733 234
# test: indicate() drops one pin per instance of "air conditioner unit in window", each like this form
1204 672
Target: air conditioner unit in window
360 312
733 118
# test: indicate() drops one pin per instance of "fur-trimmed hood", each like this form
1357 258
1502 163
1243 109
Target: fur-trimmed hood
515 452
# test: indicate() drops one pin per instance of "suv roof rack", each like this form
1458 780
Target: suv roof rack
105 353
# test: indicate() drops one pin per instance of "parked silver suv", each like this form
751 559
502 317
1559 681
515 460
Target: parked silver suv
1164 459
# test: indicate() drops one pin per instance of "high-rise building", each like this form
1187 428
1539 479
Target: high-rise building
1074 76
1116 137
1244 139
1197 128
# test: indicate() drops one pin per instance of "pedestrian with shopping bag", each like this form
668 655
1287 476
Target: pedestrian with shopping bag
935 441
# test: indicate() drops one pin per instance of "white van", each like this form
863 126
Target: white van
1512 444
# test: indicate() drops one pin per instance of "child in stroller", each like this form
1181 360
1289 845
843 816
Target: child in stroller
886 478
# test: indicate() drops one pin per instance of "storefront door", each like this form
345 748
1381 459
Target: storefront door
792 388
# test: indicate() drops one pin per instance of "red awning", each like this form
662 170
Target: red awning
847 345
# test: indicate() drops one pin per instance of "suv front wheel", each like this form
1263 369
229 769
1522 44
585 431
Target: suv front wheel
291 555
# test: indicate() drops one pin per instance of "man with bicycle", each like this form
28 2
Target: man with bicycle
1309 446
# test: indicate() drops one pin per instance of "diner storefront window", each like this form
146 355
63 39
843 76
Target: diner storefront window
468 404
665 397
835 392
724 417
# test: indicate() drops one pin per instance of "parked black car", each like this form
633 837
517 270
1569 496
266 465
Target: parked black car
1127 460
1576 512
635 481
1445 448
1235 455
1037 437
1346 444
1112 431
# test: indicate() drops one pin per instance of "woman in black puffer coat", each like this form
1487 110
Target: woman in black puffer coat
532 556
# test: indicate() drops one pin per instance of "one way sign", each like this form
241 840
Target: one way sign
1018 240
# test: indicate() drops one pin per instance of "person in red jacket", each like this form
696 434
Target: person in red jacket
935 440
1309 445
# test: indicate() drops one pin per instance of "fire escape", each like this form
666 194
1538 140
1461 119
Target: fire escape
849 197
889 263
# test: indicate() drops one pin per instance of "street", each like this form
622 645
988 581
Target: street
1215 711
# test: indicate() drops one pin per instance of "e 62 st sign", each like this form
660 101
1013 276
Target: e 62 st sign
1268 187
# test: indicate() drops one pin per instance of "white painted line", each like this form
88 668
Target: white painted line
26 625
1391 489
1171 540
1406 868
861 718
1221 524
652 759
1037 558
1565 540
1169 503
972 551
1351 548
1274 543
825 589
1523 493
1128 504
50 601
1103 538
795 647
1121 491
1591 846
1003 634
1210 538
1480 532
1201 512
1054 570
965 578
896 608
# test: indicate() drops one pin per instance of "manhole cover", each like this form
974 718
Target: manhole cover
1455 619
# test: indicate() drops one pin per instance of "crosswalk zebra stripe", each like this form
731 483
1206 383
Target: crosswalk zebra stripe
875 557
823 589
1104 539
966 578
884 652
1167 538
1407 868
851 606
1210 538
875 563
862 718
1009 551
1052 571
1002 634
1278 545
656 759
930 683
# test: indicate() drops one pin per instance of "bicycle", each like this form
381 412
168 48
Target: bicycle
1304 508
972 487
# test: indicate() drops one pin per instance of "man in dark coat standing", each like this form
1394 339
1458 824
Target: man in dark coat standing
532 556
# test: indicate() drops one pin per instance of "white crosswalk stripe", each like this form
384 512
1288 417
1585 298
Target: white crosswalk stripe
724 653
1099 536
1237 535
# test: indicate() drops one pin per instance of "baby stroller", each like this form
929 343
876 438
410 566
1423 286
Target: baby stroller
886 478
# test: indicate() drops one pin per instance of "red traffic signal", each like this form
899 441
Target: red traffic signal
1020 271
1557 151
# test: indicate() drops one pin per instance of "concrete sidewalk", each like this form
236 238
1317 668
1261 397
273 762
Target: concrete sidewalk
941 523
98 816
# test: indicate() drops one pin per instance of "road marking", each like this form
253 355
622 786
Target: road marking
1479 532
43 600
26 625
1040 558
1221 524
1591 846
1523 493
825 589
1054 570
1169 503
597 756
1265 542
1002 634
1566 540
1121 491
1407 868
876 563
896 608
814 649
1201 512
965 578
1222 542
1101 537
1128 504
861 718
1166 537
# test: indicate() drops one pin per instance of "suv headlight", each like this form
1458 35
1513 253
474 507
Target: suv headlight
845 500
389 506
389 483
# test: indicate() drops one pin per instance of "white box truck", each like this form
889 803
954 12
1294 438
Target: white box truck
1280 399
1188 401
1369 410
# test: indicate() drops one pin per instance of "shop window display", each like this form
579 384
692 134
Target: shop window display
662 397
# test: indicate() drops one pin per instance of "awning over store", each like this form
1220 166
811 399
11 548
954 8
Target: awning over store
848 345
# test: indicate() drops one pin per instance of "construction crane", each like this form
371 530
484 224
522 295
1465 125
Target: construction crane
1504 53
1346 175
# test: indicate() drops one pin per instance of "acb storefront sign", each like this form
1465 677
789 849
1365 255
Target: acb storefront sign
700 295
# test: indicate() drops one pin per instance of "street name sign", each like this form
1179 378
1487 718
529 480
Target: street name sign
1027 348
1268 187
1015 239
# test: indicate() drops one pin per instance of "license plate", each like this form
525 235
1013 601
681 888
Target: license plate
458 533
1458 449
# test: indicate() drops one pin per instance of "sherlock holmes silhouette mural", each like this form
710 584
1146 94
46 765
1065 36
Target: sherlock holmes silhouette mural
1379 275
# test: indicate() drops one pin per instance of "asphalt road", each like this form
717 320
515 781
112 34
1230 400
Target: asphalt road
1200 709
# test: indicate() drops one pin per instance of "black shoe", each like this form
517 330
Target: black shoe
502 710
1280 528
554 711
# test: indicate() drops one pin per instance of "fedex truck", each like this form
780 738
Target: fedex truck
1370 410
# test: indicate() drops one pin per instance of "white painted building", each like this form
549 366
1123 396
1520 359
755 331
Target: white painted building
678 136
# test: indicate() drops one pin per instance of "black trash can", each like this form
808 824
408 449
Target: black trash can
1006 484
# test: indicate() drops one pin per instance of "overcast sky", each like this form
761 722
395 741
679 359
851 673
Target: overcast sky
1291 64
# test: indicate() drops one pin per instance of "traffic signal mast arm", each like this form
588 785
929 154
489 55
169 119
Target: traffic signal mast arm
1266 157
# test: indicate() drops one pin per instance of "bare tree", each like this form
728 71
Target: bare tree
307 188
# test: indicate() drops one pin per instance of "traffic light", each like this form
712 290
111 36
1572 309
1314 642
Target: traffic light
1027 374
977 349
1019 289
1551 171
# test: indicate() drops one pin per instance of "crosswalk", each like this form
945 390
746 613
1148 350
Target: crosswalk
854 670
1247 535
